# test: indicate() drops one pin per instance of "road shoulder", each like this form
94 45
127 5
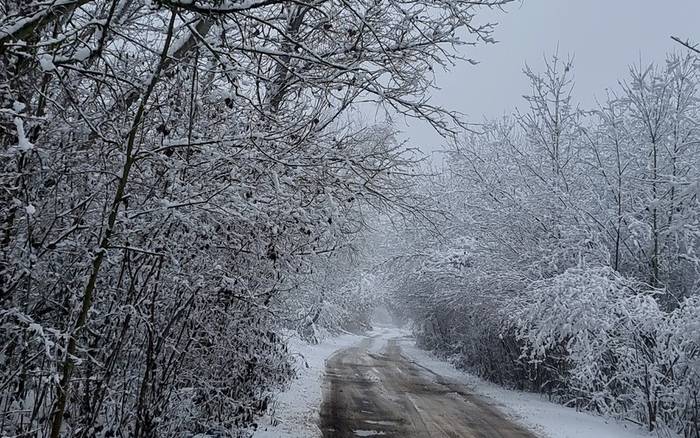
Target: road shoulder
533 411
294 413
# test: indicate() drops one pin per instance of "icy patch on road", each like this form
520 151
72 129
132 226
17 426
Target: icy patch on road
381 422
368 432
544 418
294 413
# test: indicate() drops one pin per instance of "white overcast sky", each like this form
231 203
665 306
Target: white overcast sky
603 36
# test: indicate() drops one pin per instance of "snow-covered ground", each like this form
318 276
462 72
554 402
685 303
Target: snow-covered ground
294 414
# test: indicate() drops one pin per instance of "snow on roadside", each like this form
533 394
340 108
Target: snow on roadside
544 418
294 413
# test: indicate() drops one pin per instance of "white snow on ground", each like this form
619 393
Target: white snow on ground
544 418
294 413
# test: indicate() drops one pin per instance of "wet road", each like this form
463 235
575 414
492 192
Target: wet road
386 395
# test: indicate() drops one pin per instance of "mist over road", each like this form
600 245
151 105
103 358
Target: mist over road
373 390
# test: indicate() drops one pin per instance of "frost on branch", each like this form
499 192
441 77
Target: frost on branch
564 255
180 182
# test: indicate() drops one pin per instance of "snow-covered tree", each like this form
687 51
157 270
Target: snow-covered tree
170 171
565 260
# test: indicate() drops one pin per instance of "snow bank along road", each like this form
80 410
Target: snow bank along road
372 390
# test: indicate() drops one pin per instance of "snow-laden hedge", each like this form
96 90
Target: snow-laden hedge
620 353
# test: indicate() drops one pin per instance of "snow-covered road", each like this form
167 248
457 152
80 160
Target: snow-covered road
383 386
384 394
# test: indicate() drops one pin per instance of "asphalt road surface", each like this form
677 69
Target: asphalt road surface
386 395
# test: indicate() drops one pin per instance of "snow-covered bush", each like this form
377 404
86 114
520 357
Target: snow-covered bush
617 351
565 258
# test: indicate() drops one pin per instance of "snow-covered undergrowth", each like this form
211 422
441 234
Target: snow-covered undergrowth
544 418
294 413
